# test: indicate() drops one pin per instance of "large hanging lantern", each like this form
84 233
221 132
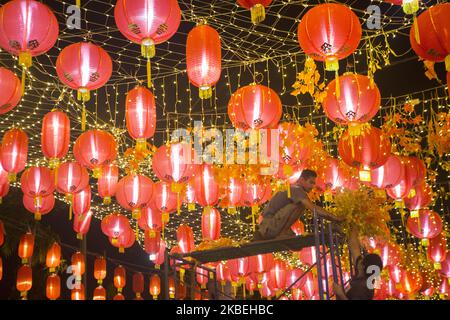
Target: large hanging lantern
437 250
95 148
260 264
140 115
81 201
427 225
151 220
415 170
430 36
185 238
369 150
254 106
206 186
278 275
389 174
55 136
81 224
358 102
164 199
26 247
28 29
152 243
422 198
53 287
329 32
14 152
257 9
332 175
107 182
203 58
148 23
211 224
255 193
37 182
124 241
134 192
11 93
159 257
24 280
233 193
84 66
39 206
115 225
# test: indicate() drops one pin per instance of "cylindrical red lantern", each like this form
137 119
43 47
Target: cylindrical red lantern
120 278
55 136
124 241
203 58
332 174
202 277
151 220
155 286
53 257
138 284
81 201
152 243
206 186
84 66
415 171
359 102
278 275
53 288
437 250
82 223
159 257
254 106
107 182
11 93
164 200
78 266
115 225
95 148
329 32
185 238
24 280
134 192
78 293
26 247
100 269
14 152
427 225
37 182
257 8
140 115
233 193
430 37
445 266
39 205
211 224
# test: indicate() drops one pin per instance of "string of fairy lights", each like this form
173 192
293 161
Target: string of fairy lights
268 53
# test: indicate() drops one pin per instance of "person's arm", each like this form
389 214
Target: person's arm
320 211
339 292
353 243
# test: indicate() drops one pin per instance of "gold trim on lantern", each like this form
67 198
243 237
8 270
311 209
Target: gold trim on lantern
141 144
83 94
364 175
205 92
97 172
258 13
12 177
136 213
107 200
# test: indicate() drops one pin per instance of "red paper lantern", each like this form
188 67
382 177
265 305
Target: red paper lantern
120 278
332 174
278 275
37 182
78 265
358 102
147 22
100 269
72 178
164 199
115 225
254 106
26 247
203 58
55 136
427 225
84 66
152 243
77 293
24 280
53 258
107 182
257 8
298 227
410 283
389 174
81 201
189 195
233 193
185 238
82 223
239 268
155 286
39 205
211 224
159 257
124 241
138 284
206 186
95 148
329 32
134 192
254 193
223 273
293 275
445 266
437 250
422 198
27 29
99 293
261 263
14 152
151 219
202 277
140 115
11 90
53 287
415 170
432 33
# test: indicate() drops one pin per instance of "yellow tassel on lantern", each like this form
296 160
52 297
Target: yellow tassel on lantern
107 200
364 175
141 144
37 216
12 177
244 293
83 95
136 231
178 204
425 242
338 85
191 207
182 272
258 13
205 92
255 210
414 213
79 236
399 204
165 217
437 266
78 3
328 196
151 233
231 210
83 118
332 64
136 213
70 211
149 74
97 172
288 188
25 60
121 250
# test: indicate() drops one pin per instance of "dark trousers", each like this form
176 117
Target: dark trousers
274 225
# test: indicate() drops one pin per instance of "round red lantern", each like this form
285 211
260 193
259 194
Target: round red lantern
120 278
11 93
159 257
278 275
151 220
329 32
26 247
39 205
152 243
223 273
81 201
124 241
332 174
53 258
14 152
84 66
432 33
72 178
422 198
211 224
206 186
239 268
53 287
389 174
24 280
107 182
437 250
410 283
138 284
100 269
140 115
257 8
203 59
37 182
55 136
415 170
254 106
147 22
28 28
95 148
185 238
358 103
115 225
82 223
155 286
164 200
427 225
134 192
